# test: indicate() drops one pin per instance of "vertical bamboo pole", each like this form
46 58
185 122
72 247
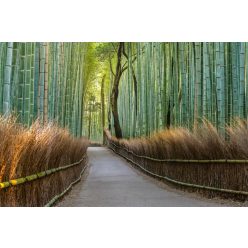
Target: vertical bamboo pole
7 78
45 117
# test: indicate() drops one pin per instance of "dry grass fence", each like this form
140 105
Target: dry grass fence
201 157
25 151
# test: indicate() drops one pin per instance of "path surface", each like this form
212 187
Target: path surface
112 182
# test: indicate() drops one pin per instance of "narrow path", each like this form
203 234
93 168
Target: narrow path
111 182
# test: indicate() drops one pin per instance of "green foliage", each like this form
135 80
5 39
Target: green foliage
105 50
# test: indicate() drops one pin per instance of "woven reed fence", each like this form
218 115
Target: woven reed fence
43 188
224 178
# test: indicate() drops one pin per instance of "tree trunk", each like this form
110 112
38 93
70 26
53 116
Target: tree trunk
115 92
114 101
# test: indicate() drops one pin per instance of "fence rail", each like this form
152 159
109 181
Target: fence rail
38 175
57 197
201 161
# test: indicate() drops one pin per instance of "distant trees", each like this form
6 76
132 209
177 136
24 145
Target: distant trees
115 52
109 54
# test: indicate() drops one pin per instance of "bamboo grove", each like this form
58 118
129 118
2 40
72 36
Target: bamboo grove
45 81
143 86
180 84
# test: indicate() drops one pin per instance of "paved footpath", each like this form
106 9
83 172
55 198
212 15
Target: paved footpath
112 182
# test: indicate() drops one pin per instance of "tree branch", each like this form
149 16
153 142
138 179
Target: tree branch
114 47
124 66
111 68
123 69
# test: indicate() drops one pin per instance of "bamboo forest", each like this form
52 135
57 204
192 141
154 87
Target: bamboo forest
175 111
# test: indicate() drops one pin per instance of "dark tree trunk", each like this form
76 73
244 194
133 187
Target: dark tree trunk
109 119
115 92
135 85
114 107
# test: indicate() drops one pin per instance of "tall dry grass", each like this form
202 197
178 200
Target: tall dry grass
25 151
202 143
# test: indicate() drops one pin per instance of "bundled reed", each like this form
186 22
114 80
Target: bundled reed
25 151
202 143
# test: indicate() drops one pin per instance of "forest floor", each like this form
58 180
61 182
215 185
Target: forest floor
112 182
